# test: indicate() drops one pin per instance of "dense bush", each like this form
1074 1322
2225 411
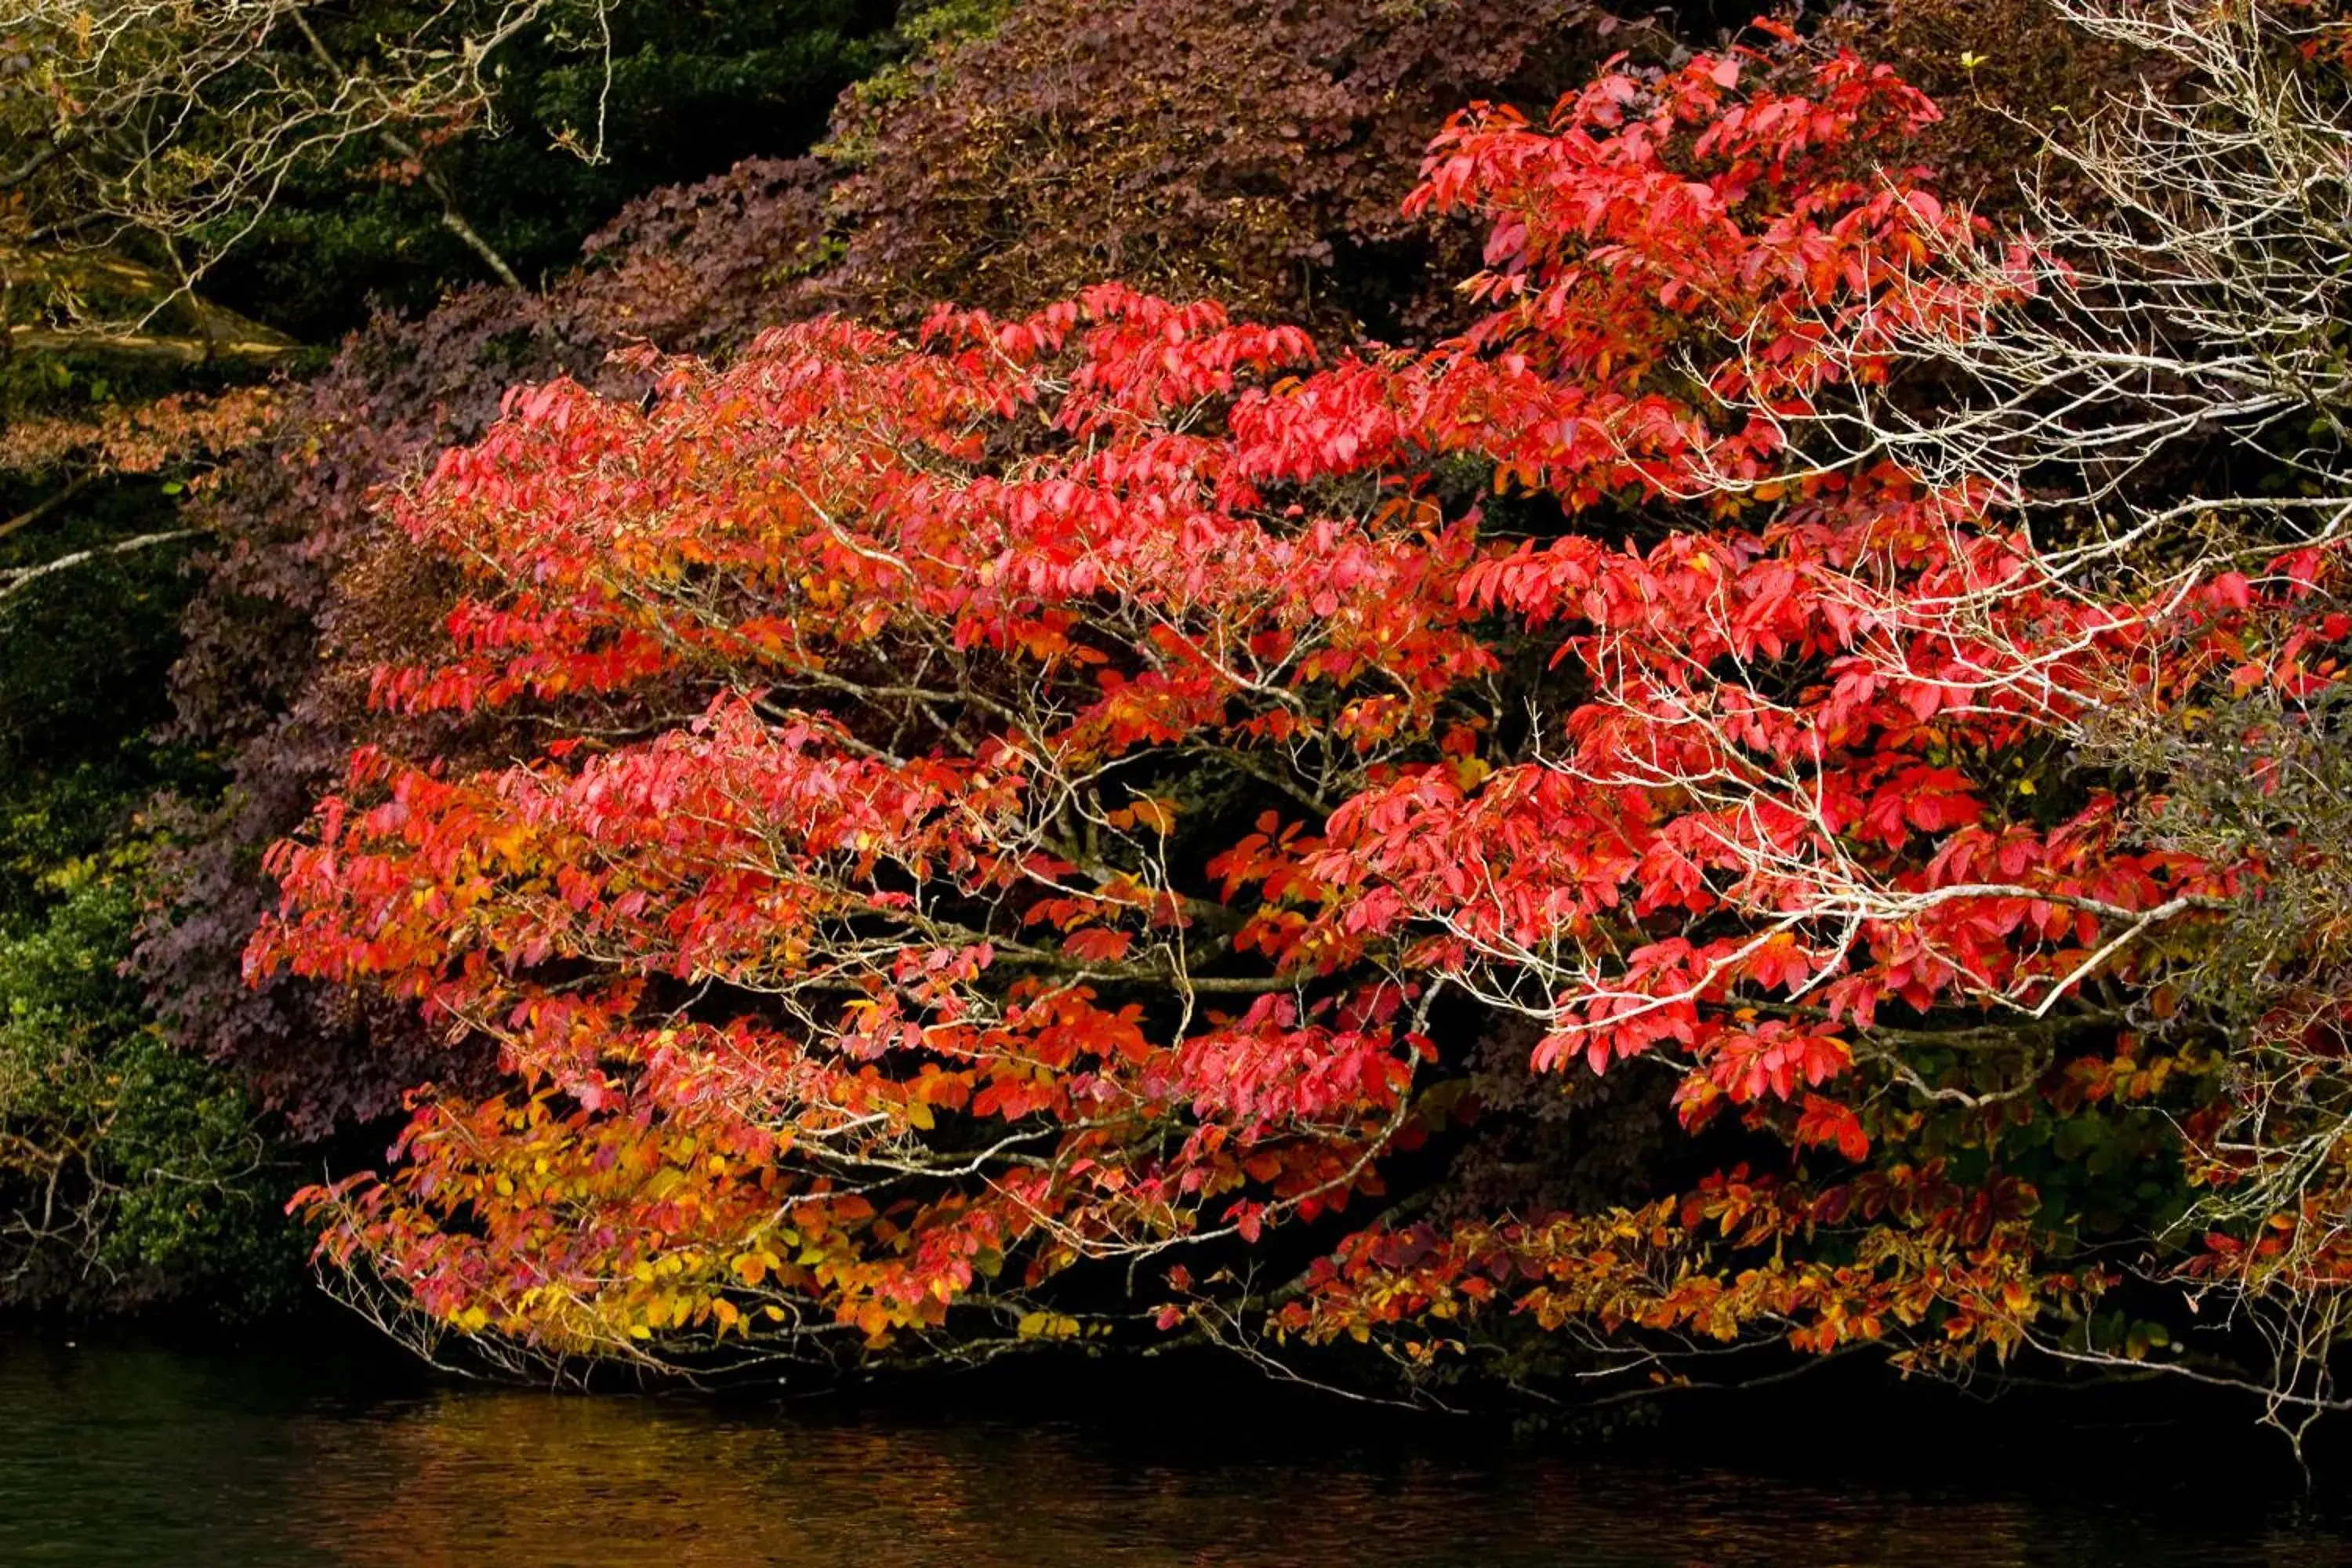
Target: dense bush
1253 153
131 1177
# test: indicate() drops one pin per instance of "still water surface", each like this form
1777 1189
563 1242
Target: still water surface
131 1453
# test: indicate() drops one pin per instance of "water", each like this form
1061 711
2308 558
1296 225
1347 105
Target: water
130 1453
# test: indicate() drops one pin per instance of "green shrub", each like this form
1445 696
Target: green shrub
130 1177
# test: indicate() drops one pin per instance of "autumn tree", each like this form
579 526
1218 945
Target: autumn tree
1037 810
304 590
304 587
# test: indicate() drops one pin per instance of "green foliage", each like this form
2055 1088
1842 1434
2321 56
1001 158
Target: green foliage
929 33
128 1175
83 654
85 649
694 86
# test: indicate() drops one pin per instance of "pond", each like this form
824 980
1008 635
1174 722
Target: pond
131 1452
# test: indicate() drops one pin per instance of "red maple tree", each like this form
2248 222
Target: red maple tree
1057 791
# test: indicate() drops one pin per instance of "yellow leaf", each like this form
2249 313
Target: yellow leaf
1160 815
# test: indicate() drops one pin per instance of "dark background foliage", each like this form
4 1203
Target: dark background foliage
1253 153
694 86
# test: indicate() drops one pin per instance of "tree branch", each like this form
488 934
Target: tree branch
41 509
15 580
401 146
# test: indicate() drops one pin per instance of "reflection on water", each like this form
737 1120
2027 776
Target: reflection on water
132 1453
